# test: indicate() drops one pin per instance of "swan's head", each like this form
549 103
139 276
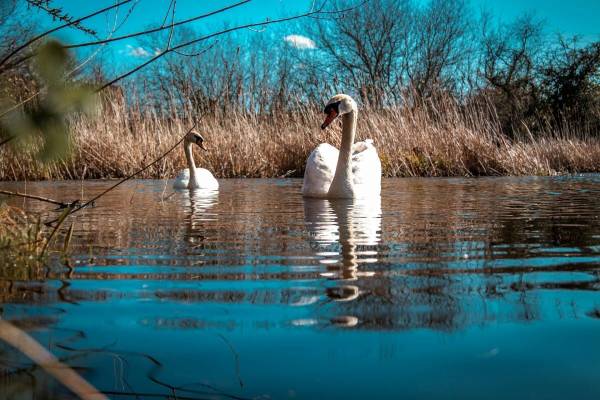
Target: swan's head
339 104
196 138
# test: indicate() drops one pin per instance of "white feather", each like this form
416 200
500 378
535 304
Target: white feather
322 162
204 180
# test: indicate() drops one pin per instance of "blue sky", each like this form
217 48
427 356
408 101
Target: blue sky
571 17
568 17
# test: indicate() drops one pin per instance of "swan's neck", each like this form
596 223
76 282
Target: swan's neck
342 185
191 165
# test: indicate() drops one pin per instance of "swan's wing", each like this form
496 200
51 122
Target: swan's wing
366 168
320 169
206 180
182 179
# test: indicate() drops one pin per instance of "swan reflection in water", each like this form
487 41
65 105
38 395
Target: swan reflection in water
344 235
199 202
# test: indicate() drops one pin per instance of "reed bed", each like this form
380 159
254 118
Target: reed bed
21 241
440 138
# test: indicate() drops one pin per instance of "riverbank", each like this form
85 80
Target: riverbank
435 140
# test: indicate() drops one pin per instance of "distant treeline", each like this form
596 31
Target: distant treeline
394 53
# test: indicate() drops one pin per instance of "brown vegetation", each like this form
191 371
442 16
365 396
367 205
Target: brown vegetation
437 138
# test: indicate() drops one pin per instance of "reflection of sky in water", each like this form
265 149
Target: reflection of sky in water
441 288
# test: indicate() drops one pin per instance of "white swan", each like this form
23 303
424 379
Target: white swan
354 171
192 177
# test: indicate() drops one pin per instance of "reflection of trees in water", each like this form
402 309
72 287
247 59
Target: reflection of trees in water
434 259
439 256
439 253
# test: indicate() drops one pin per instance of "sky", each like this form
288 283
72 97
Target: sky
572 17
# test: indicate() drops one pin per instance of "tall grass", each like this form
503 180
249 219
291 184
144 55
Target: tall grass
436 138
21 242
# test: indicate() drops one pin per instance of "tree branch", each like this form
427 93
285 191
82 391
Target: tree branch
135 34
212 35
30 196
153 30
40 36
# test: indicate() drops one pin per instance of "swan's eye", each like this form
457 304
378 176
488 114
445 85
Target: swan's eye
199 140
332 107
332 112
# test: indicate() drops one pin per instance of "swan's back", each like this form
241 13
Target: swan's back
366 169
204 180
322 162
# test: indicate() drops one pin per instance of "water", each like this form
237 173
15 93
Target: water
446 288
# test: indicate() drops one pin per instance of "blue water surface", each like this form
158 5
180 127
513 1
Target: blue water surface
441 288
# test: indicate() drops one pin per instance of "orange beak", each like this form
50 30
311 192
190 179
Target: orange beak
330 117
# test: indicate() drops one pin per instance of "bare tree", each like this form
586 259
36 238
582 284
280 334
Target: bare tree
570 82
510 54
364 45
437 45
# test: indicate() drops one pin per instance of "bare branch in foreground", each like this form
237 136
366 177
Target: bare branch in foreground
42 35
38 354
212 35
30 196
57 13
122 37
154 30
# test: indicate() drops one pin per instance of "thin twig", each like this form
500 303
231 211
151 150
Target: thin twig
202 38
63 216
8 139
236 357
40 36
30 196
135 34
199 53
172 30
161 28
57 13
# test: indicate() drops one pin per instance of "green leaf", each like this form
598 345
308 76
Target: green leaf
51 63
74 98
56 141
49 119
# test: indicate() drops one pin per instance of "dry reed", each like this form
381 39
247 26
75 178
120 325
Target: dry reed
21 240
440 138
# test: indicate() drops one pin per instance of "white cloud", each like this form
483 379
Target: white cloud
136 51
300 42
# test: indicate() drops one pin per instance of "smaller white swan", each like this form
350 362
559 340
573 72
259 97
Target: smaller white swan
354 170
192 177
